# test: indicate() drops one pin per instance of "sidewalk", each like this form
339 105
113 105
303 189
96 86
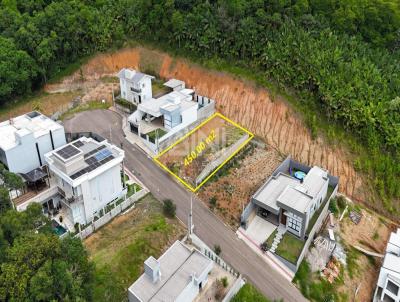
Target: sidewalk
267 257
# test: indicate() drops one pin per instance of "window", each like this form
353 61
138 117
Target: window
393 288
386 298
294 224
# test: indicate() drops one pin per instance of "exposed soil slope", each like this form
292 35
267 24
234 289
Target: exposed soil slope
252 107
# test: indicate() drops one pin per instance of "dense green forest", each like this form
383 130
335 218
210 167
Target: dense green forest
39 266
340 57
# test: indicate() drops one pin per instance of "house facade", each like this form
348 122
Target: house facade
28 137
289 201
158 119
135 86
388 284
177 276
87 174
84 177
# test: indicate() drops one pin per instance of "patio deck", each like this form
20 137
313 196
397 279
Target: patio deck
147 127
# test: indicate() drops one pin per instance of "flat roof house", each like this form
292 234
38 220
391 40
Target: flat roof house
157 119
293 201
388 285
25 139
87 176
178 275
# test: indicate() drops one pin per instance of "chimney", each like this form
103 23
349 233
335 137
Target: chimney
152 269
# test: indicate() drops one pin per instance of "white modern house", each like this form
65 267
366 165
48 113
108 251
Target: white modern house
388 285
157 119
24 140
84 177
87 174
135 86
177 276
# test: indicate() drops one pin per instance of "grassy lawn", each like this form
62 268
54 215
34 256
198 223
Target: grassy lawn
271 238
248 293
132 189
315 288
47 103
84 107
120 248
157 132
158 87
290 247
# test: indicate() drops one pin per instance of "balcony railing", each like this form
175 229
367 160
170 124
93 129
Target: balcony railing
70 199
136 90
73 199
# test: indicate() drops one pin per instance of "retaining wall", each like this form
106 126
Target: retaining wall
110 215
224 156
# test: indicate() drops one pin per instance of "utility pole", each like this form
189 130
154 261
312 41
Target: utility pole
113 97
190 222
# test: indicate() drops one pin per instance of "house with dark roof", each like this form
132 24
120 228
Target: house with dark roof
291 202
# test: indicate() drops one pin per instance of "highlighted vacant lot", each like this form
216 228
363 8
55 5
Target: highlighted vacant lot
198 155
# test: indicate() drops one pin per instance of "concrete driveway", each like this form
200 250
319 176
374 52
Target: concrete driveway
207 225
259 230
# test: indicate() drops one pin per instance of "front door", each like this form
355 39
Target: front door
283 217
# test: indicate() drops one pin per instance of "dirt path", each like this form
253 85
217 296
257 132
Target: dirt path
272 120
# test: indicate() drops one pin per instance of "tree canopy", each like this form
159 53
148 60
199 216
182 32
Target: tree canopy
35 265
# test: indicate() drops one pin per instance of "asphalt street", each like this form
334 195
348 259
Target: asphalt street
207 225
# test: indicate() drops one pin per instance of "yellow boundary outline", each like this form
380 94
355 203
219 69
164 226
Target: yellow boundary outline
217 114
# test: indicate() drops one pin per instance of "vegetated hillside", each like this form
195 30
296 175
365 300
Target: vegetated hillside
250 106
341 57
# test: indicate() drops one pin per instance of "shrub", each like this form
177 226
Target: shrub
225 282
333 206
169 208
213 202
217 249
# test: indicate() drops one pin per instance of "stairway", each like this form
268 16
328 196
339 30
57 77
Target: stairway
278 237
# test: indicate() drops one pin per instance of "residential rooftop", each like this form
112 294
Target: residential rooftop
177 266
33 122
169 102
269 193
132 75
83 156
290 191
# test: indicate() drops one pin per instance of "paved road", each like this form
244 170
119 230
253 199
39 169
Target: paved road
207 226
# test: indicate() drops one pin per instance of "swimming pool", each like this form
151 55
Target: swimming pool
58 228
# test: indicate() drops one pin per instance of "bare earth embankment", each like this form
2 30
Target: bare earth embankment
271 119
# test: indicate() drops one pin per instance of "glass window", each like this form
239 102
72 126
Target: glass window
294 224
393 288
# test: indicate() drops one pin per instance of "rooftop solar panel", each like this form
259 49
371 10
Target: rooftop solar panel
94 165
68 151
102 154
94 151
78 144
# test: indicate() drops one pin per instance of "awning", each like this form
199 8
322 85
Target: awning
34 175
